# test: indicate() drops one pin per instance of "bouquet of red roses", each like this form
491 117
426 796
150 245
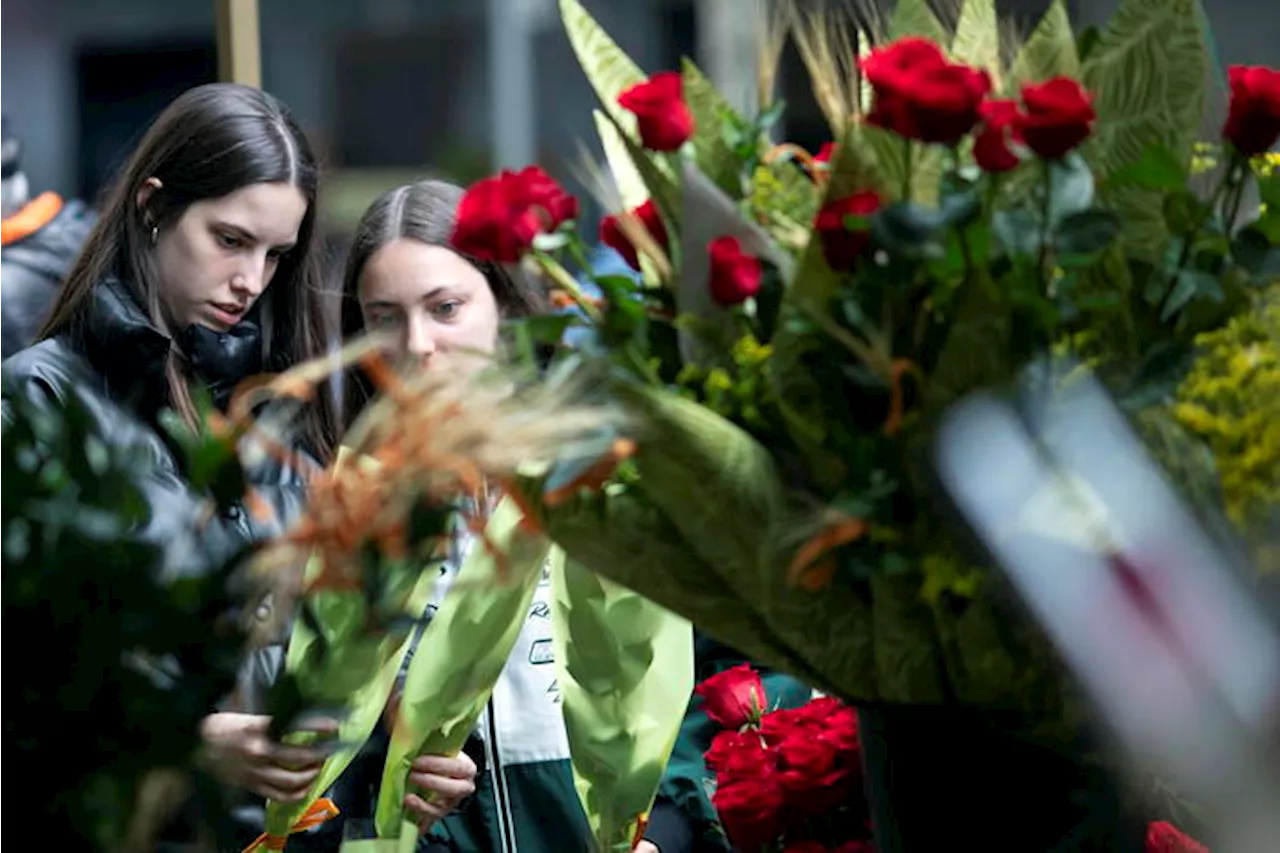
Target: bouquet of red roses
789 779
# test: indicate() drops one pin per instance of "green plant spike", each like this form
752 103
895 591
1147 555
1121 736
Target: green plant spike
977 38
915 18
1050 51
608 68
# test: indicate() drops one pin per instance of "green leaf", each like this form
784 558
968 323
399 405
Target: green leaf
977 38
770 116
975 352
1182 211
1157 376
1157 168
1148 79
1049 52
1256 253
626 176
1269 225
1088 42
1189 285
908 228
1017 231
1071 187
915 18
656 173
715 157
1269 191
1086 232
548 328
608 68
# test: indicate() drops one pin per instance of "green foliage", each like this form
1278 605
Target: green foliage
712 117
1147 74
131 655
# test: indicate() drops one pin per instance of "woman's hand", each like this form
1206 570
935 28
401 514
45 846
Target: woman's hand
243 755
445 781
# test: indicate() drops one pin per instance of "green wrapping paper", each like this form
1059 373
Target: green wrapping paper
365 664
625 670
461 654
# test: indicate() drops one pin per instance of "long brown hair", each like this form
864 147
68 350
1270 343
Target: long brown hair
211 141
424 211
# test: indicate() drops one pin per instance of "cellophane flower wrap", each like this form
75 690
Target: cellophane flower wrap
986 214
462 652
625 668
415 467
342 654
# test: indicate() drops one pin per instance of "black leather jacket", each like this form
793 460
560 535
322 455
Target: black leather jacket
117 369
32 270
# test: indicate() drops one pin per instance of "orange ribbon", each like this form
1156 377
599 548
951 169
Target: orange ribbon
317 813
642 826
809 569
34 215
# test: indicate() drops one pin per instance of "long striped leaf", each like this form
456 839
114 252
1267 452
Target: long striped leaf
1148 76
915 18
710 114
626 177
1050 50
608 68
977 38
654 170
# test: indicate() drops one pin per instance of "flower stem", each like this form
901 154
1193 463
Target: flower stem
907 152
1224 193
1046 210
561 278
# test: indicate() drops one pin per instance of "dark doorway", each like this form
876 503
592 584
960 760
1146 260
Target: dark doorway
122 87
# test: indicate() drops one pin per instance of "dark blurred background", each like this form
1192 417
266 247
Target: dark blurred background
390 90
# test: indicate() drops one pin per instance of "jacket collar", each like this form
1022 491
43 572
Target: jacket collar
125 346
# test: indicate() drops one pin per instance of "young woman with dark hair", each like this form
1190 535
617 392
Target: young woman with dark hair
202 271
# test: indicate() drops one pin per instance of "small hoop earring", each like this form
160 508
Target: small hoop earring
155 234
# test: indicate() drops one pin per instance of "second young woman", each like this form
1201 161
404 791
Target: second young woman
445 311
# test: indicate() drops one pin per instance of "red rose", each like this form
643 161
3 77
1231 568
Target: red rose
841 733
541 191
815 777
752 811
611 233
999 128
841 245
819 760
1253 124
1164 837
919 95
736 755
735 275
1058 115
498 217
825 153
890 69
663 117
735 697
